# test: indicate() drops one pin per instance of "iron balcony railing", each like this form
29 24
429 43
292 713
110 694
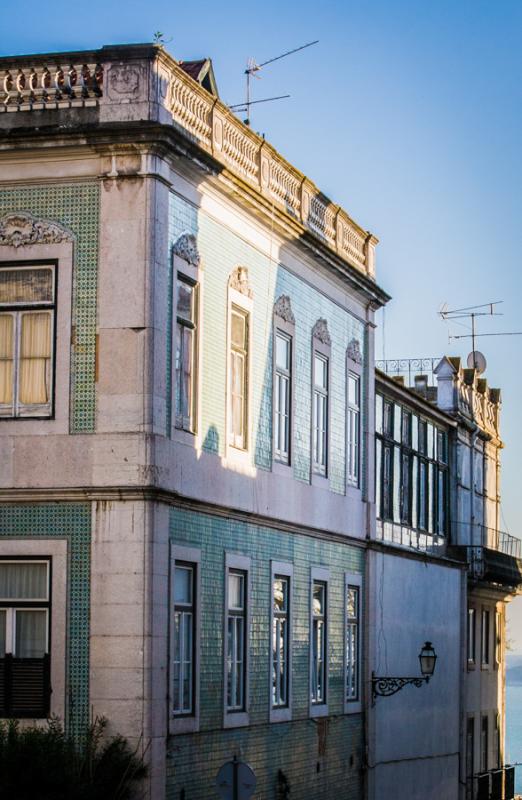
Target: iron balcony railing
475 535
408 368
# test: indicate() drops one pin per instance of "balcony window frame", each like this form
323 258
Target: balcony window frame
471 637
320 472
181 422
353 412
285 329
485 638
353 580
179 722
236 563
285 570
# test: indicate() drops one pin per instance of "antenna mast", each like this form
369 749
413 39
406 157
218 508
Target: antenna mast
252 68
471 312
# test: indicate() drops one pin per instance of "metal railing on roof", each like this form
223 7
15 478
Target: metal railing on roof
408 368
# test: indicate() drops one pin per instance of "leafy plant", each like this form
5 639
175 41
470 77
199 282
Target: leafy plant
45 763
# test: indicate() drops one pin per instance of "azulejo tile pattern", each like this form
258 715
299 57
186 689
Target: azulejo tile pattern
221 251
294 747
71 521
76 206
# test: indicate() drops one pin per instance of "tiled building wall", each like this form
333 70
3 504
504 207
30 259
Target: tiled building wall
73 522
76 207
222 251
319 758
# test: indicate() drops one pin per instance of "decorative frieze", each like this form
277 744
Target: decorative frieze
23 229
238 280
320 332
283 309
353 351
186 248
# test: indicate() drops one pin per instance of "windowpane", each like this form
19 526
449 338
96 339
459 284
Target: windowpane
318 687
20 580
280 642
185 300
184 621
379 414
353 424
6 357
238 330
282 352
282 397
31 634
3 619
26 285
238 379
471 635
353 390
280 594
320 371
35 358
236 584
352 643
183 585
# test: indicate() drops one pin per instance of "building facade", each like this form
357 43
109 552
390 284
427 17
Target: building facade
186 412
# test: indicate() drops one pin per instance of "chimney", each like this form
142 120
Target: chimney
421 385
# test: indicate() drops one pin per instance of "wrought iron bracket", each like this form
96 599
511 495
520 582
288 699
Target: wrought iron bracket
384 687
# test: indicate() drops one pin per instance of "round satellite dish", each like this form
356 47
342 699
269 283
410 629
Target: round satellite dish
476 360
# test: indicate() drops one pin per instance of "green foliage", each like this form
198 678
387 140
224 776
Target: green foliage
44 763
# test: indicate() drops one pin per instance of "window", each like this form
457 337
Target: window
280 639
238 382
320 414
184 624
186 346
484 735
388 419
470 757
471 636
354 414
485 638
236 640
352 655
282 396
24 638
498 638
184 639
27 310
387 483
319 640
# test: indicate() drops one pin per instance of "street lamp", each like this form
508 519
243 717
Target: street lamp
384 687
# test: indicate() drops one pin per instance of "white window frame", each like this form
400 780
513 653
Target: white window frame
237 455
16 409
231 717
320 474
184 723
471 637
353 706
57 550
353 449
286 331
319 575
485 640
187 424
285 570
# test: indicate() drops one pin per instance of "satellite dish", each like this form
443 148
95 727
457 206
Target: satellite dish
476 360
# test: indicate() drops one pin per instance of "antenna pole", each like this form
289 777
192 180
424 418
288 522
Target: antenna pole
247 120
473 338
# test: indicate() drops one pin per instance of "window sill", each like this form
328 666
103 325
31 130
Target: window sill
353 707
318 710
183 725
236 719
280 715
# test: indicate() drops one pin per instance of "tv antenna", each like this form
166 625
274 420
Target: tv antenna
251 72
475 359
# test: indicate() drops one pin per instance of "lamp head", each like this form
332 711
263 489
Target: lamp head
427 658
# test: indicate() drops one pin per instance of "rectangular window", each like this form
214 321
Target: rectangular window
388 419
320 414
440 521
280 640
484 646
484 744
423 437
470 757
282 396
471 635
498 638
405 498
236 640
27 312
319 651
186 345
184 639
406 428
352 643
423 496
387 482
354 417
238 381
24 638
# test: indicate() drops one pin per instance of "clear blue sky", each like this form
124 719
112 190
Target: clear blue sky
409 114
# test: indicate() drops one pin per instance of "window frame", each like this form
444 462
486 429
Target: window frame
185 723
287 330
485 637
484 740
323 352
319 575
284 570
471 637
355 580
187 424
17 310
233 718
353 467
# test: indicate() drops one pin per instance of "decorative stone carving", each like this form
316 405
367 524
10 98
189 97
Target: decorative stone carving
124 79
23 229
239 281
186 247
320 331
353 351
283 309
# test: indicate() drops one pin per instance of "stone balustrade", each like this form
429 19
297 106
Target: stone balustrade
138 82
27 88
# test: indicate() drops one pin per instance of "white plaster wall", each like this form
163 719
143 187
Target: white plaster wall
414 734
